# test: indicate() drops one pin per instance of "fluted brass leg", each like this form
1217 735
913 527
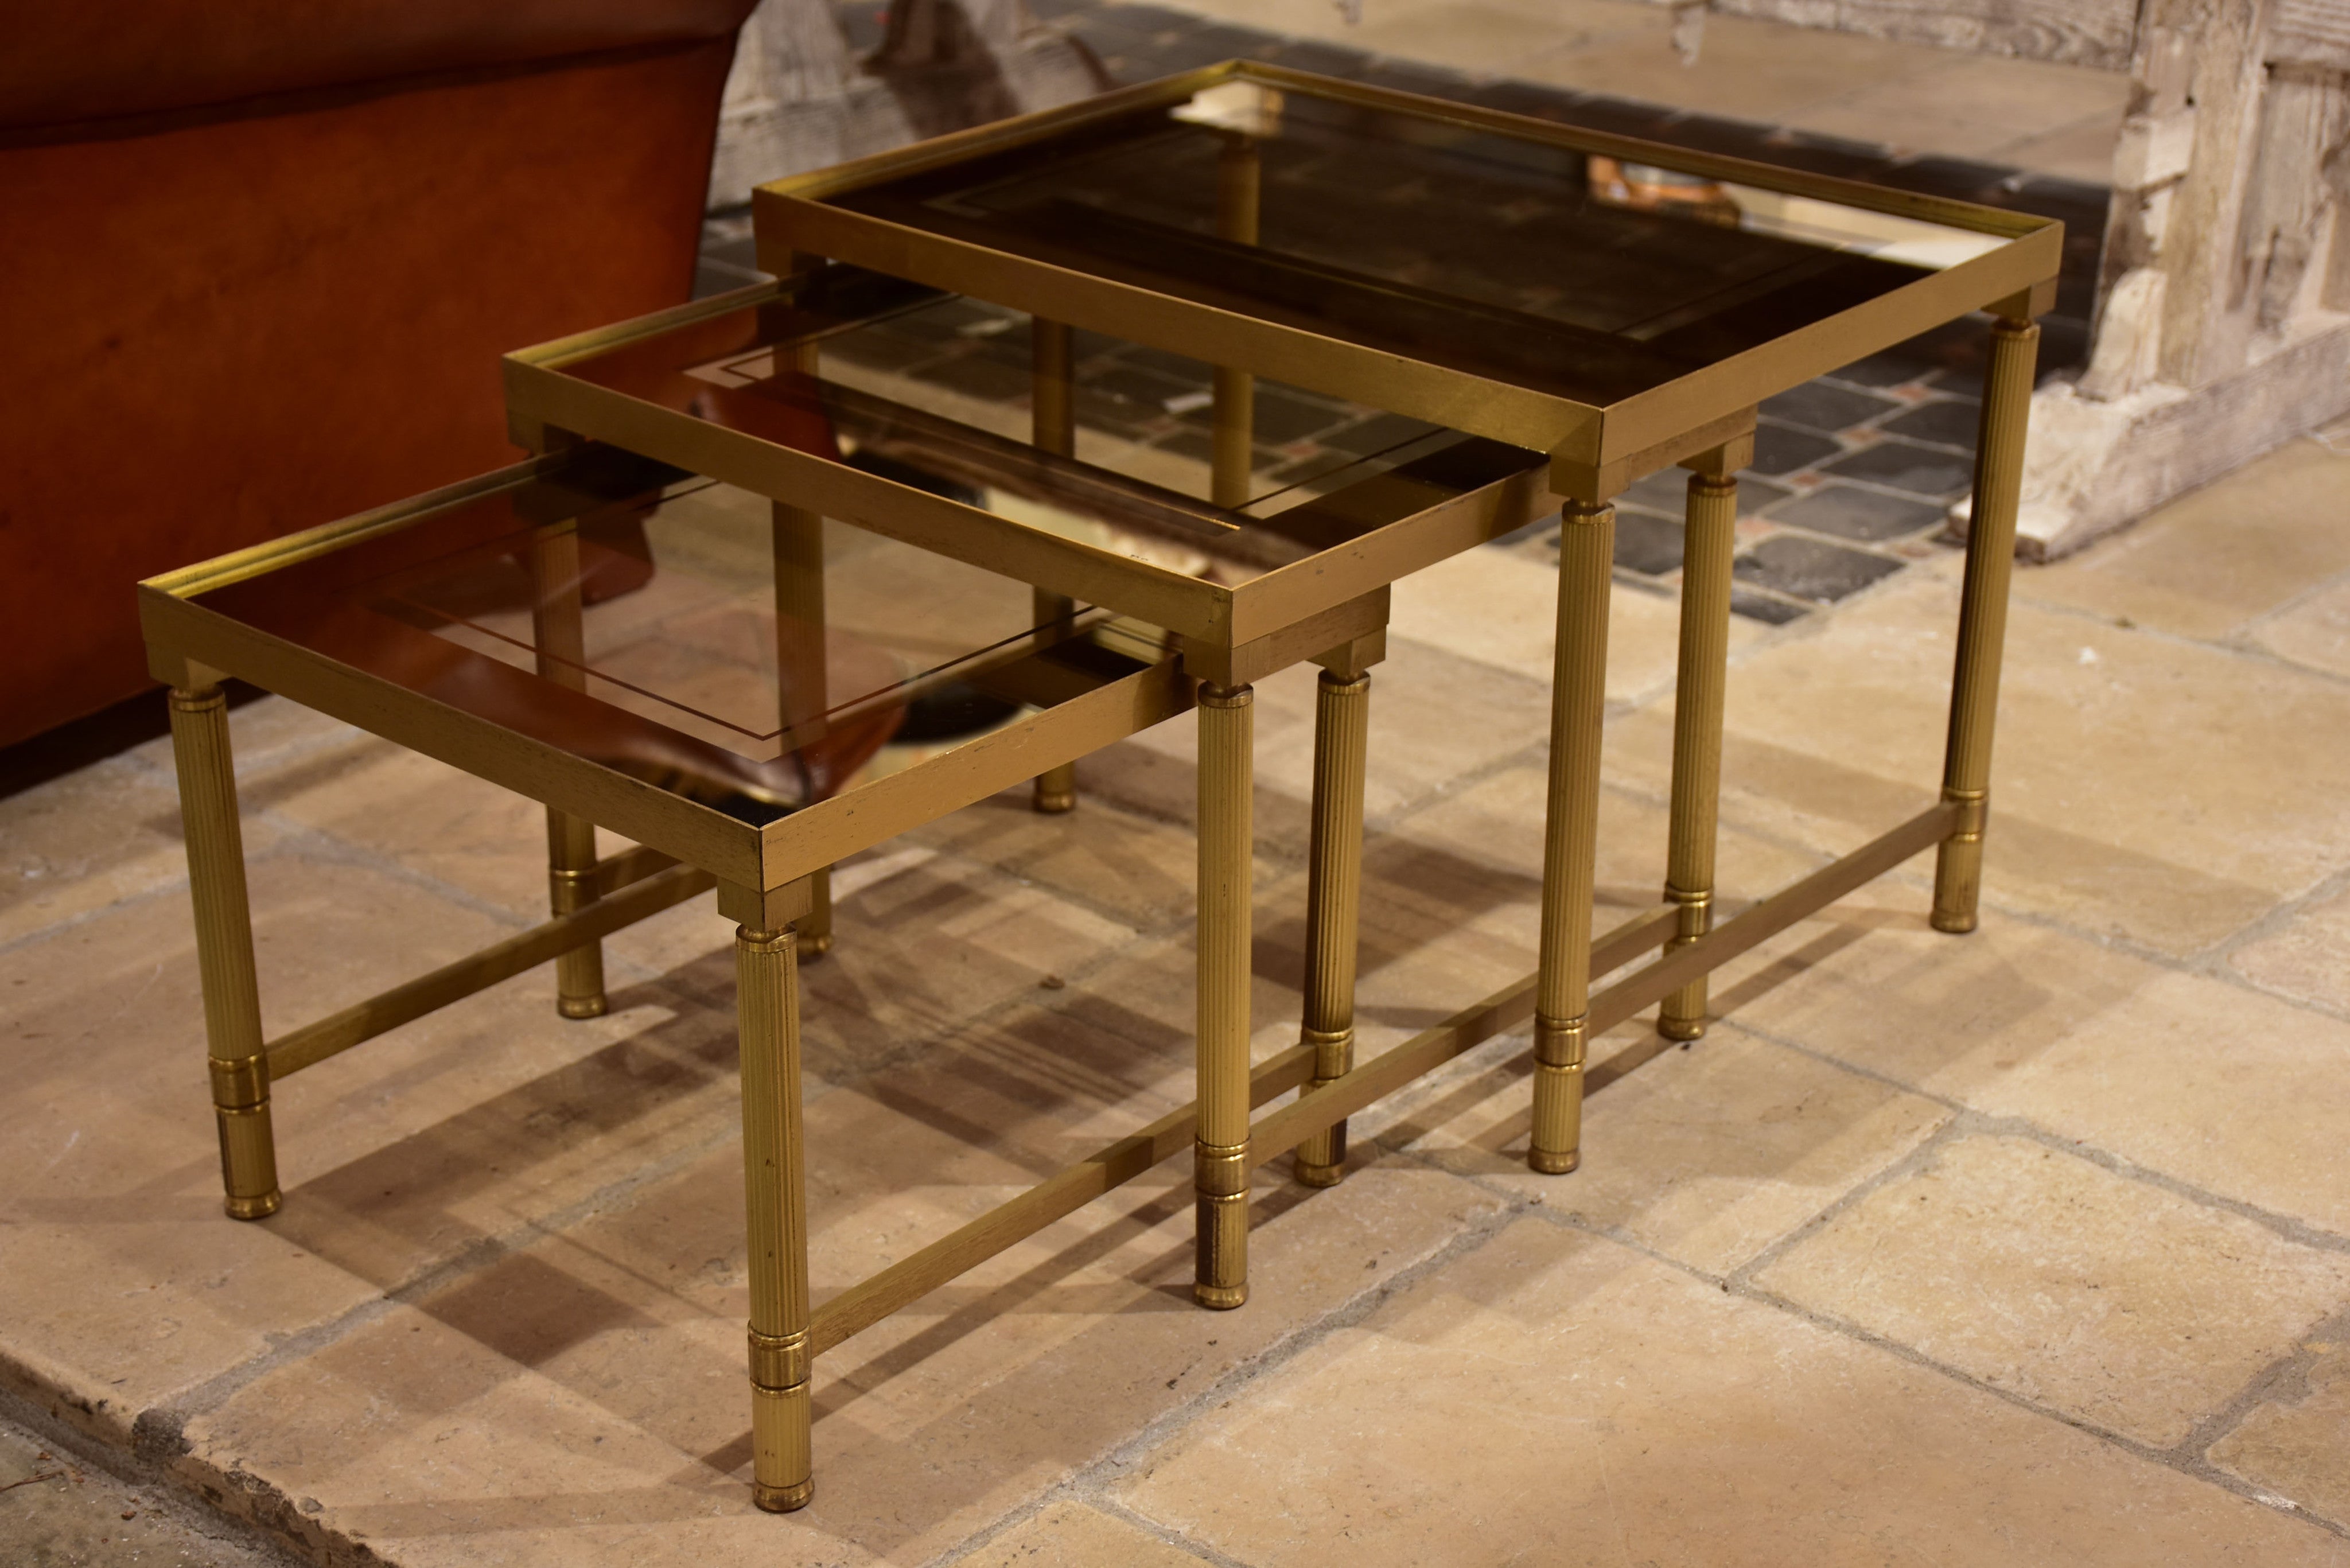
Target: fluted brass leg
1706 552
559 626
240 1069
1054 430
1982 619
1220 1169
1334 883
1233 413
767 1003
1570 838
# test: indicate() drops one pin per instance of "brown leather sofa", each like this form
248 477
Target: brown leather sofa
258 259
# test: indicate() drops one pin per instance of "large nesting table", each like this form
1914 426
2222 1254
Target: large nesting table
1611 307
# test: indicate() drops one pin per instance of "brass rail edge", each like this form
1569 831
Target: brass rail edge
337 1032
1391 1069
275 555
910 1278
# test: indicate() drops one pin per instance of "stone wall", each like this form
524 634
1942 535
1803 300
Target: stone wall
2224 323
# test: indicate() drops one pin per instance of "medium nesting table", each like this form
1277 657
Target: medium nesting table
644 648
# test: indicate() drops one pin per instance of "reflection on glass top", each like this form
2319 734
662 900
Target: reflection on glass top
681 632
933 392
1579 275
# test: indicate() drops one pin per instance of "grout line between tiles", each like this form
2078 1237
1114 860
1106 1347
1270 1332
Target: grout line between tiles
2179 1457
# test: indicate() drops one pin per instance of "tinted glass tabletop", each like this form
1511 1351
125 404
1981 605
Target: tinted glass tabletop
1584 275
678 631
825 374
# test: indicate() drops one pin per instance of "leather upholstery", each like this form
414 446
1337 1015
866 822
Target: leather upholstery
227 329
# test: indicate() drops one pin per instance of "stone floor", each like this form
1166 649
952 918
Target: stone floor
57 1510
2032 1246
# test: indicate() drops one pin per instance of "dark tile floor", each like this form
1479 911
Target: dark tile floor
1853 472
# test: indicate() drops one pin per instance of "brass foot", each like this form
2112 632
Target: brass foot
1312 1175
582 1006
1547 1163
260 1207
813 948
1054 801
783 1499
1220 1275
1957 922
1680 1028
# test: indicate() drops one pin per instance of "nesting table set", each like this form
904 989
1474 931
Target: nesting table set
650 626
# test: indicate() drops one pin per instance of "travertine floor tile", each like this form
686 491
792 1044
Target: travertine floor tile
1500 608
1071 1535
264 734
108 1158
2223 1088
624 1335
1134 869
1435 718
1553 1397
443 824
2174 831
77 844
1492 39
2216 558
2297 1445
394 1158
1494 827
2315 632
1707 1155
1868 981
2308 957
927 947
411 1441
2081 151
2110 1300
1746 69
1971 106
